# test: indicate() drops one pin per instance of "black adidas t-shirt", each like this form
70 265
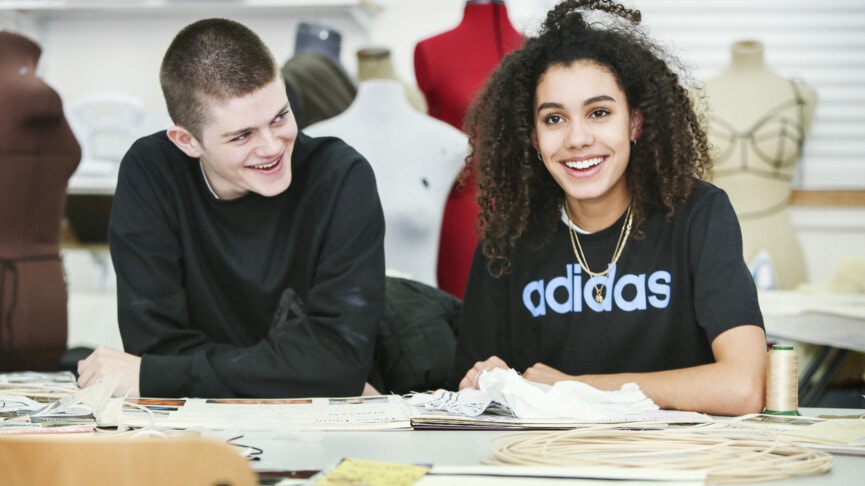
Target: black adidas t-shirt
669 296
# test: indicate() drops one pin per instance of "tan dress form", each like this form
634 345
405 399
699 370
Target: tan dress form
38 154
758 121
376 63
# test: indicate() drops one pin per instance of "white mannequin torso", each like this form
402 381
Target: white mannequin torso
416 159
758 121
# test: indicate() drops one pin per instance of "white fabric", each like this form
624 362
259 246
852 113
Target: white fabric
530 400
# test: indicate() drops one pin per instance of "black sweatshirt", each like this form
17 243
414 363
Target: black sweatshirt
199 280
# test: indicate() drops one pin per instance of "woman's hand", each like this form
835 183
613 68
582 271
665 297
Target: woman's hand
541 373
471 378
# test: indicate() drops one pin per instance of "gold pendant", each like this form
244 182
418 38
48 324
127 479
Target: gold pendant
598 296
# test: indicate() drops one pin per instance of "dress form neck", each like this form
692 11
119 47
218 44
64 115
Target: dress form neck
375 63
380 99
18 51
318 38
485 13
747 57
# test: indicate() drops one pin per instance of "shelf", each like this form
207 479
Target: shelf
827 198
36 14
51 9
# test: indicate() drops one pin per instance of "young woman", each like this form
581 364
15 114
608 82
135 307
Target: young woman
604 255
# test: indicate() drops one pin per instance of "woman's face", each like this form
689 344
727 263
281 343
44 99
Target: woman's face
583 130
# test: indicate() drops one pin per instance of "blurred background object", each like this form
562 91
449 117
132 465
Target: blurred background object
38 154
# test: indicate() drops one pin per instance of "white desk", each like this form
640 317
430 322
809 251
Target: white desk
455 448
835 322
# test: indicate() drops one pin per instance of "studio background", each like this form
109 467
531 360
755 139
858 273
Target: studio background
92 46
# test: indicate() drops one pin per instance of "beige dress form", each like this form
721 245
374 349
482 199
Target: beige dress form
376 63
757 124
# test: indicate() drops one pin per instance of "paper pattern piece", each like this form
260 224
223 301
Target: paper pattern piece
836 435
350 472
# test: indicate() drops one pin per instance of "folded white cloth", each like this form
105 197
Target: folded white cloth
527 399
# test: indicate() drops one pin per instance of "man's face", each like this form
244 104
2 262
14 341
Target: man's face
247 144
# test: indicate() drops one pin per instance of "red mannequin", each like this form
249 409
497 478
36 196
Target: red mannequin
38 154
450 68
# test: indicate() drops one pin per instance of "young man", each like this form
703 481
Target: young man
249 256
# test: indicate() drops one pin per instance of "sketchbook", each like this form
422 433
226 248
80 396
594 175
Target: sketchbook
490 420
345 413
836 435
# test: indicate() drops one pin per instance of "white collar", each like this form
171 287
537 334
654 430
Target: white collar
207 182
570 224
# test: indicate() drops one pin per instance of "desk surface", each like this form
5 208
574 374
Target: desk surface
284 451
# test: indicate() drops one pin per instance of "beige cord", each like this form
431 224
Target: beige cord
728 456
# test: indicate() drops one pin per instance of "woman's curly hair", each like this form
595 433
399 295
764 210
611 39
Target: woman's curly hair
670 154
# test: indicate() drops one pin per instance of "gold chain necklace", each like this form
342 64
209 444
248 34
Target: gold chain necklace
581 257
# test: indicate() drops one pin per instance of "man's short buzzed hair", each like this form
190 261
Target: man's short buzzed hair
212 60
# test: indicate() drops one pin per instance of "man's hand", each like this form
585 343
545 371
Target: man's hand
105 361
471 378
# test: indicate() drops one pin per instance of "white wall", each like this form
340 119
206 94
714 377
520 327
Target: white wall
827 235
821 43
112 50
109 49
87 51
